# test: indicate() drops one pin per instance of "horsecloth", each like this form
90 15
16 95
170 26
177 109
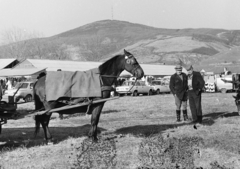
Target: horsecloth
72 84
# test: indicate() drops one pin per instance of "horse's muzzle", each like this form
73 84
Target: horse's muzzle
138 73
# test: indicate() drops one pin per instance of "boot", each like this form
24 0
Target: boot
185 116
178 112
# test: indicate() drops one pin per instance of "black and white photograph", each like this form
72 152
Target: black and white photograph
119 84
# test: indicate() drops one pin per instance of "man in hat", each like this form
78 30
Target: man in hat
178 86
195 87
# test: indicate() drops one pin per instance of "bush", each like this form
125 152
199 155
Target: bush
101 155
159 153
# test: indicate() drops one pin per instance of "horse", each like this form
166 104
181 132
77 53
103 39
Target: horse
109 72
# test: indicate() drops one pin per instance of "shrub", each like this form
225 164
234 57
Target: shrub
99 155
159 153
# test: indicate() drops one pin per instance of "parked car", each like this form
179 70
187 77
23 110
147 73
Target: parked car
222 86
24 91
140 87
160 86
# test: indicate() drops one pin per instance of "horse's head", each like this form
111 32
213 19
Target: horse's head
132 66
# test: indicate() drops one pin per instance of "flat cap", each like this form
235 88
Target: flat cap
178 67
189 67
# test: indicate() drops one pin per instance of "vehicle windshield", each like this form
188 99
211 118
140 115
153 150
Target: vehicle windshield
22 85
127 83
156 82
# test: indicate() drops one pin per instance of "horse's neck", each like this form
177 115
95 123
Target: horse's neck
111 74
109 78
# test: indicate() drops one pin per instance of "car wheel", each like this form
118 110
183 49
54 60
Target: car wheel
158 91
135 93
119 95
28 98
223 90
150 93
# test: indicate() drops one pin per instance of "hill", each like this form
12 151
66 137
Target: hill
101 40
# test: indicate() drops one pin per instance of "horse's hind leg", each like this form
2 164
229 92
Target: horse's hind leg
45 122
46 119
96 111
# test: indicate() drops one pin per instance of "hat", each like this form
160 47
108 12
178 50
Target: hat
189 67
178 67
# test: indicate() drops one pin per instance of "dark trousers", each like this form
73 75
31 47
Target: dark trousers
195 103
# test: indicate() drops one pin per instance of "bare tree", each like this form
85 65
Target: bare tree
15 34
17 43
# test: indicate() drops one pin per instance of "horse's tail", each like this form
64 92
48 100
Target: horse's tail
38 105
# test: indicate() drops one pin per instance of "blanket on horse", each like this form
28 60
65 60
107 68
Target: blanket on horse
72 84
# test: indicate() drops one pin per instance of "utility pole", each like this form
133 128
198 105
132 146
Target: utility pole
112 11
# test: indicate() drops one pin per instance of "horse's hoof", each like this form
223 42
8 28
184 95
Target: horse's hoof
95 140
49 143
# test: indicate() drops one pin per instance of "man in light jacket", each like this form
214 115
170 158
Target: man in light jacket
178 86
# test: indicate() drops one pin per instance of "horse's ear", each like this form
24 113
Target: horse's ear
125 52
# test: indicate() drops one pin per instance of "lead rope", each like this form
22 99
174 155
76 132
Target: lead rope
133 85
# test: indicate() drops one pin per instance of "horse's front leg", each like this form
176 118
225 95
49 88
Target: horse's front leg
96 112
45 122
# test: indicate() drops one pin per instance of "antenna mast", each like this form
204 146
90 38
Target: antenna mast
112 9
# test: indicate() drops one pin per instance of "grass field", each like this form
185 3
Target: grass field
124 125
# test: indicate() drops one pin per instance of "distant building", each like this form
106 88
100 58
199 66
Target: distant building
66 65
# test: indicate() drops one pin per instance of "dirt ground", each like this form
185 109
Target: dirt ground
135 118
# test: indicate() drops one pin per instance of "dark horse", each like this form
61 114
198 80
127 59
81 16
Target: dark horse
109 71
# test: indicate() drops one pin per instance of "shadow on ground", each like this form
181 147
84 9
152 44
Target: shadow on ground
216 115
16 137
147 130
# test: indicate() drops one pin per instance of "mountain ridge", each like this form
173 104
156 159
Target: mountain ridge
101 40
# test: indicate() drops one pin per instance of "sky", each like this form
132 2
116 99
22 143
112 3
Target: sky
51 17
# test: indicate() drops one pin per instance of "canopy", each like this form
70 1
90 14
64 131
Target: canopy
20 72
6 62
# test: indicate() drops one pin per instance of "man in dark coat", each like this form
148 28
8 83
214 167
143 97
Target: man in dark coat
195 87
178 86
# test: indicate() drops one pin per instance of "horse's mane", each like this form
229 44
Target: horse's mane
109 64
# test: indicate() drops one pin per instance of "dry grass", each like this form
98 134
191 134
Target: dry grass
128 120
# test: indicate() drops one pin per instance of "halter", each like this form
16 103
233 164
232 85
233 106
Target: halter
131 60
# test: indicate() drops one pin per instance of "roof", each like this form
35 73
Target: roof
5 62
20 72
65 65
54 65
150 69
